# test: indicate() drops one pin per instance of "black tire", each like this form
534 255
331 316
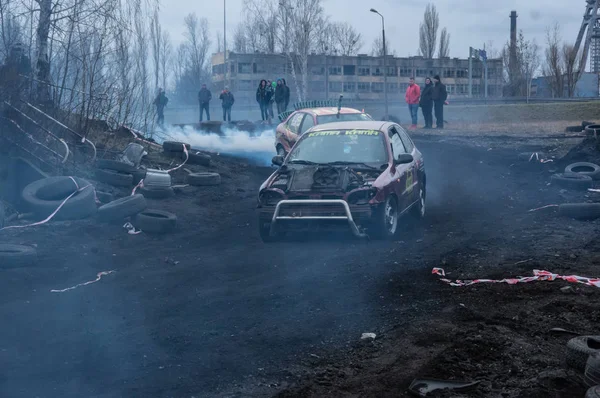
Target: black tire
281 151
115 165
579 349
81 205
580 211
155 221
138 175
157 192
386 225
119 209
174 146
203 179
584 168
592 129
114 178
16 255
198 158
572 181
418 210
574 129
264 230
593 392
584 124
591 376
104 197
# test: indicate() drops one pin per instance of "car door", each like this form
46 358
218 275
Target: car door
293 128
307 123
414 174
403 178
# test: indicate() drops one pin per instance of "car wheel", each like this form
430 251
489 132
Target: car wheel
264 229
419 209
281 151
387 219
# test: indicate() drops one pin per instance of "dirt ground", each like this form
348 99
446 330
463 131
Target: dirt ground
211 311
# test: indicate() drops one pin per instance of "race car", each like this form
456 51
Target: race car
296 123
363 174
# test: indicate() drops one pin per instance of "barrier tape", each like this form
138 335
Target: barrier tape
537 158
187 156
538 275
543 207
51 216
99 276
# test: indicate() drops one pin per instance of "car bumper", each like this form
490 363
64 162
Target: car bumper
316 210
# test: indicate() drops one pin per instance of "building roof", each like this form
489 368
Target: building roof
359 125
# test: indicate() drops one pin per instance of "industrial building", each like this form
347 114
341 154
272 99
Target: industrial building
356 77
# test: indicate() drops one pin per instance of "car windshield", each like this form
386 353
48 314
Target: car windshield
344 117
351 146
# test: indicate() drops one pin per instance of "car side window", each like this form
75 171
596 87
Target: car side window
408 144
307 123
397 144
295 121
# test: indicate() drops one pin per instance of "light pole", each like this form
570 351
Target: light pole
225 80
385 96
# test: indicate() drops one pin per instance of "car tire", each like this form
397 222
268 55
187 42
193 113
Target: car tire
387 219
119 209
593 392
281 151
157 192
197 158
419 208
204 179
584 168
175 146
155 221
579 349
580 211
114 178
574 181
591 376
12 256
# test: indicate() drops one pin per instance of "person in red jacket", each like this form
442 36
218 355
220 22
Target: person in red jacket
413 94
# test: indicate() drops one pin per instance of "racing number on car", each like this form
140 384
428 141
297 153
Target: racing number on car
409 181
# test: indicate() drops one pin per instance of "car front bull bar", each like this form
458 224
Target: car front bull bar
343 203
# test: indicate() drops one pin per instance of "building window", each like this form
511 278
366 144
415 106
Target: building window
476 89
349 70
451 89
335 70
245 67
364 71
377 87
317 86
392 71
377 72
364 87
317 70
259 68
335 87
477 73
406 72
349 87
462 89
392 87
421 73
245 85
449 73
462 73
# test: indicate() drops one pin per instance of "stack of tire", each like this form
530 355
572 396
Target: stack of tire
118 174
583 355
175 149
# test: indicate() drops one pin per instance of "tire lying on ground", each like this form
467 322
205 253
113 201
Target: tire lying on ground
204 179
115 165
591 375
584 168
174 146
114 178
572 181
579 349
198 158
580 211
122 208
157 192
104 197
155 221
44 196
593 392
138 175
574 129
16 255
592 129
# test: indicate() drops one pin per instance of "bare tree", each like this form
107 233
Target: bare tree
11 30
528 64
240 41
428 31
348 40
377 48
219 41
166 50
572 68
444 50
553 65
491 50
156 38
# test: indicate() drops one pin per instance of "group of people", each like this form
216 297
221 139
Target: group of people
432 97
269 92
227 101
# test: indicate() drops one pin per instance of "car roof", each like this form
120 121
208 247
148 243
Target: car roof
329 111
362 125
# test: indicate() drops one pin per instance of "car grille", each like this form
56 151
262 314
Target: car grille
312 210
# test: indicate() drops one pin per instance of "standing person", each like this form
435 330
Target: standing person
261 97
439 96
413 93
280 96
227 101
271 95
287 95
160 102
204 97
426 103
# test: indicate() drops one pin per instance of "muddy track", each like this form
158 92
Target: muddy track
210 310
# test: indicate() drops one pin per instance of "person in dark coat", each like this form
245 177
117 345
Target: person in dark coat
280 96
227 101
287 95
426 103
204 97
14 75
439 96
160 102
263 98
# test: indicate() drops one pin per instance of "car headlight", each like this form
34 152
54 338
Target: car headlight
362 197
269 198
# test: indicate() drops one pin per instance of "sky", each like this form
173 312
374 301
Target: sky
469 22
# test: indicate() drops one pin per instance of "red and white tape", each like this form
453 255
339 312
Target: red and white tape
538 275
99 276
187 156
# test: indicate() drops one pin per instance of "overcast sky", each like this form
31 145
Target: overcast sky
470 22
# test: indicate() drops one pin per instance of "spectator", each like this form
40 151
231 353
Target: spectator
287 95
271 94
280 96
204 97
426 103
160 102
262 99
439 96
413 93
227 101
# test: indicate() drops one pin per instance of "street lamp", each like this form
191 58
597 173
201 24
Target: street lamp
225 80
385 96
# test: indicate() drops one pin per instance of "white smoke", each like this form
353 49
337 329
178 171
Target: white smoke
260 147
